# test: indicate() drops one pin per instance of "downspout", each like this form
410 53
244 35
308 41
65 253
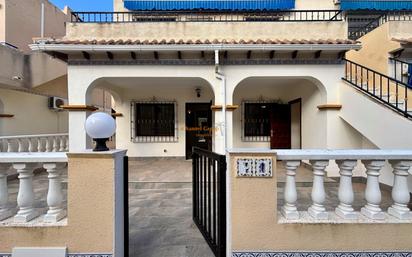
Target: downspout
220 76
42 20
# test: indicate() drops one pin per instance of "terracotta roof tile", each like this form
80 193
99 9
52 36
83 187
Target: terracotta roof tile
206 41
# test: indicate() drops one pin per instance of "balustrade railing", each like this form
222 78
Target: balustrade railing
207 16
23 210
389 91
347 160
35 143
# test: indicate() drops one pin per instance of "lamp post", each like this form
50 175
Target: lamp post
100 126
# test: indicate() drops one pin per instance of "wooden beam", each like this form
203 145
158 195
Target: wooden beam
110 55
61 56
272 54
249 54
216 108
317 54
232 107
330 107
6 115
294 54
79 108
86 55
341 54
133 55
225 54
179 55
156 55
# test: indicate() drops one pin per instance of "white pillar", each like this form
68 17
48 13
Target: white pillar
400 191
25 197
5 211
56 211
289 210
373 193
346 195
317 210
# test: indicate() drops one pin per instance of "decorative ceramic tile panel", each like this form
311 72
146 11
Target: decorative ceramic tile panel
254 167
322 254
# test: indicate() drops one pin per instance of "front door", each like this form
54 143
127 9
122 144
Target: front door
198 127
280 128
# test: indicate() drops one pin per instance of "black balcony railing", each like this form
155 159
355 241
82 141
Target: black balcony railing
402 70
391 92
383 18
207 16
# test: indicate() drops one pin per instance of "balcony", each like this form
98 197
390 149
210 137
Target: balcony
144 25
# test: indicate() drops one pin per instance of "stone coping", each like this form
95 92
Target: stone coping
35 223
327 154
305 218
90 154
33 157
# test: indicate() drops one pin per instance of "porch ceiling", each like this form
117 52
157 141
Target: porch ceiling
158 83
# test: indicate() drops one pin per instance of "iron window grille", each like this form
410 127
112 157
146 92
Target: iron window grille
154 121
256 120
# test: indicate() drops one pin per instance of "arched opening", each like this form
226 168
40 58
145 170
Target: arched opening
279 113
159 117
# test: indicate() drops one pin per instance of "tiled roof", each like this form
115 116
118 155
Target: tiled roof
197 42
403 41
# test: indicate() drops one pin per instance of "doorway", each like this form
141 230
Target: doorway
286 125
198 127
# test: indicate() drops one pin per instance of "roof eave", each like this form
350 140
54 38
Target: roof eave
67 48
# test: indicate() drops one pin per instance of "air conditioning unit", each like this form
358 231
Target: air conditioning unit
56 103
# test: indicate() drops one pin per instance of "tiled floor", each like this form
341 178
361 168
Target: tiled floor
160 205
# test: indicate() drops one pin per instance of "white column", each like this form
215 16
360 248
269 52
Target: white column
56 211
25 197
373 193
317 210
5 211
289 210
346 195
400 191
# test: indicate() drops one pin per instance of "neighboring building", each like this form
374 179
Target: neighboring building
27 79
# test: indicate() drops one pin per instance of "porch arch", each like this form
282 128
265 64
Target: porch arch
282 90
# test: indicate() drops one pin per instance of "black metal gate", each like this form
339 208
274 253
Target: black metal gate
209 198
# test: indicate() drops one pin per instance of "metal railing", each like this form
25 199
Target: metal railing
402 70
209 198
389 16
390 91
207 16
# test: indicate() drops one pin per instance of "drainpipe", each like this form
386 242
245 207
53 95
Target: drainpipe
42 21
220 76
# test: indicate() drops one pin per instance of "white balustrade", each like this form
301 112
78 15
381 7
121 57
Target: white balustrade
35 143
347 160
5 210
289 210
373 193
346 195
25 164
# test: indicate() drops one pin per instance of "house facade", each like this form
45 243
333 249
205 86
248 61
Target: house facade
239 87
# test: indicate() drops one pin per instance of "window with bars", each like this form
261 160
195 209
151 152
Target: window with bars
256 121
154 121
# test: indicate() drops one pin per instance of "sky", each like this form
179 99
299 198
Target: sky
85 5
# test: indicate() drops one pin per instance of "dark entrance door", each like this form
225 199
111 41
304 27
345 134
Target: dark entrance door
198 127
280 129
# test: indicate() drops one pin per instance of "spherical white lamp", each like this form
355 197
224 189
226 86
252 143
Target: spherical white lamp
100 126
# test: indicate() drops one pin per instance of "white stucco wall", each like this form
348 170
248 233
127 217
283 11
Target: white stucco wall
31 115
326 78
